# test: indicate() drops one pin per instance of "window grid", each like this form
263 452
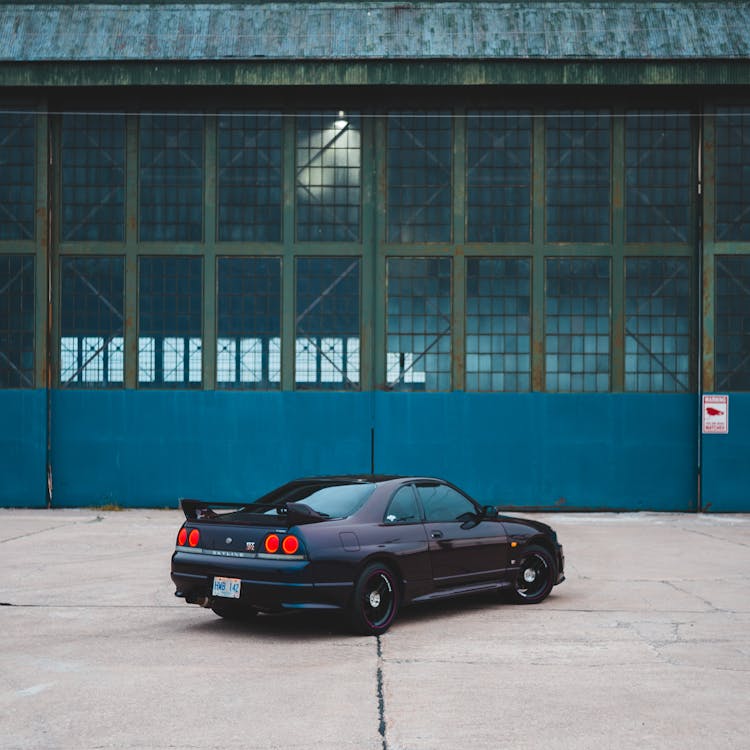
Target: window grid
327 323
171 174
657 325
733 174
328 177
498 176
169 321
498 324
93 177
91 321
578 176
17 321
248 344
18 160
249 177
418 327
732 342
419 173
657 175
577 325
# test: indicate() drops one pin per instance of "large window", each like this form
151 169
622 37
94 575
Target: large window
16 321
732 341
248 344
733 174
93 177
420 148
328 174
498 324
249 177
170 347
657 172
498 192
92 321
418 328
657 324
327 323
171 171
577 324
17 158
578 176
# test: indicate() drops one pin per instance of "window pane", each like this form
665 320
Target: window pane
248 345
93 177
327 323
419 324
328 177
498 324
499 177
16 321
443 503
403 507
657 159
732 323
250 182
419 177
657 324
91 321
578 176
577 324
171 169
169 321
733 174
17 157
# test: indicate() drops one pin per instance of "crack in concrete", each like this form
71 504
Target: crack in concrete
381 696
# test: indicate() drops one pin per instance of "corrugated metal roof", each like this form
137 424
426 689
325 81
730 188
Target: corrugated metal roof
364 30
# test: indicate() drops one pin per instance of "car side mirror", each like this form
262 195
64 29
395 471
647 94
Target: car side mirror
489 511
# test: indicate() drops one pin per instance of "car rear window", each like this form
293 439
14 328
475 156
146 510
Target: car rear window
332 500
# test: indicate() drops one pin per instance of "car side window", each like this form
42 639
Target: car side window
403 507
443 503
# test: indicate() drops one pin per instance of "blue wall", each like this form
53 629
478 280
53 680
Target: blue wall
535 450
726 462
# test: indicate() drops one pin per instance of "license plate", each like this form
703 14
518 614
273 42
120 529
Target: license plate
227 587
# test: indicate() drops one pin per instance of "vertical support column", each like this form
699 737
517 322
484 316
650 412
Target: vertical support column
538 239
131 252
617 270
208 344
380 239
368 281
706 257
288 320
458 319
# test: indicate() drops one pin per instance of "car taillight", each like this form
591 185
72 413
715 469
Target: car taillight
273 544
182 537
290 545
194 537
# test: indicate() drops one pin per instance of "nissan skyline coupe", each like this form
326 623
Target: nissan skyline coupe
361 545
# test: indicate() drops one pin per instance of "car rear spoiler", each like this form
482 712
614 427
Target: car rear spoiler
292 514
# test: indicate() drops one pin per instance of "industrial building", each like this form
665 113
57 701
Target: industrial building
504 243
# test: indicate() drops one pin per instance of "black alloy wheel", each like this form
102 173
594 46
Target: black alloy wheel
535 577
376 600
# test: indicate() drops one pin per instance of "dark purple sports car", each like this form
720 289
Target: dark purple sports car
364 545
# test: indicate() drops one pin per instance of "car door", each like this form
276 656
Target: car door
464 547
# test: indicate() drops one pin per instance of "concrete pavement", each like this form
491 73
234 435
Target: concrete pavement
646 645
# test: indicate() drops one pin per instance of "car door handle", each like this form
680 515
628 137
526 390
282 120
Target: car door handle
436 534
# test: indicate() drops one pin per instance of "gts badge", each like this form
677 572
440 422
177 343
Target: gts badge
250 546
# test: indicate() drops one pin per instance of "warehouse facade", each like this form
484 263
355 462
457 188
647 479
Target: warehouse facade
503 243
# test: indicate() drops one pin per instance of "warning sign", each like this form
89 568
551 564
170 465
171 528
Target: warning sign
715 415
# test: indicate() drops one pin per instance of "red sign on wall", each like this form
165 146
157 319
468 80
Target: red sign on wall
715 415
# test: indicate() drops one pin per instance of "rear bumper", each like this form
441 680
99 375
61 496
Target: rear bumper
264 584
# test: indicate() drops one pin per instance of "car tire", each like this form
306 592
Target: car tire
233 611
376 600
535 576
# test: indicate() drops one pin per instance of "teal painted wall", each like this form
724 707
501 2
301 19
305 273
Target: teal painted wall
534 450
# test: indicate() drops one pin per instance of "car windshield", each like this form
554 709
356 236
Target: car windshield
331 500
